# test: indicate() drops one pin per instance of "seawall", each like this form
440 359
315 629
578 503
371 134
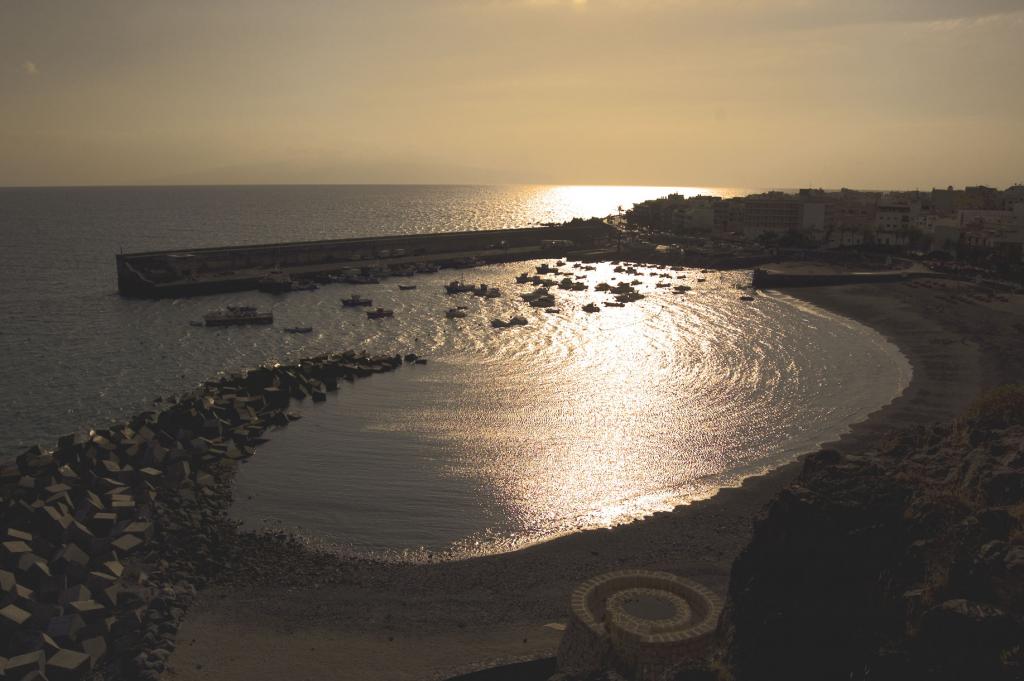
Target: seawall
185 272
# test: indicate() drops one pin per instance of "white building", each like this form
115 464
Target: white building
895 217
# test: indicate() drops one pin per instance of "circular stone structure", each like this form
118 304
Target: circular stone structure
640 622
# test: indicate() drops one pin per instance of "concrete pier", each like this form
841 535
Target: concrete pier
188 272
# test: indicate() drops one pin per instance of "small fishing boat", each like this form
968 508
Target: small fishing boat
235 315
614 304
483 290
747 298
406 287
298 329
514 321
535 294
591 307
362 279
380 313
356 300
275 281
458 287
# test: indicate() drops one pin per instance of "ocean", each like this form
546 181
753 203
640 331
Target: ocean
506 437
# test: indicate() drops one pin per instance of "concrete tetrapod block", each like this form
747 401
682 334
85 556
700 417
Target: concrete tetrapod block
7 581
18 535
102 522
12 551
95 648
89 610
19 667
64 629
12 618
77 592
126 543
67 665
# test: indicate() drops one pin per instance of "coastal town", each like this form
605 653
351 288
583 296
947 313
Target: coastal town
956 229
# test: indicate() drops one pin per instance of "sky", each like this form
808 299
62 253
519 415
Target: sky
741 93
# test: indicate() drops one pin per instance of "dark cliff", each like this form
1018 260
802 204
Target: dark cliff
902 563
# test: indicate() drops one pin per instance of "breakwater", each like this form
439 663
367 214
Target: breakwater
178 273
107 536
764 278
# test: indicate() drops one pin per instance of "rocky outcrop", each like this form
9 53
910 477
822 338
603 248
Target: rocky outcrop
104 540
902 563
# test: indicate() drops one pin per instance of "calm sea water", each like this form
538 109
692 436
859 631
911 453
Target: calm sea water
506 437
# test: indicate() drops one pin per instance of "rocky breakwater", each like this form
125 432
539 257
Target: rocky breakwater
105 539
902 563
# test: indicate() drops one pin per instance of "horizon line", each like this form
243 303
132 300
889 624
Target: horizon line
468 184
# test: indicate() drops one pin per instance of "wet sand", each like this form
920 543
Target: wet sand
298 615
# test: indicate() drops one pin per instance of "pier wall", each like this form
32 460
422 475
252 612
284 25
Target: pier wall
185 272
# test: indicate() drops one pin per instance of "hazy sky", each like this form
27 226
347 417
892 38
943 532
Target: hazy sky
748 93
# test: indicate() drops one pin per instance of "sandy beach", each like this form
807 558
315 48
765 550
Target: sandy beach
288 613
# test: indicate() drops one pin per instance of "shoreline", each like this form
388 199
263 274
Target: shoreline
452 617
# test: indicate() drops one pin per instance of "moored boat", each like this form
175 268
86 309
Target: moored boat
380 313
356 300
362 279
298 329
275 281
458 287
236 315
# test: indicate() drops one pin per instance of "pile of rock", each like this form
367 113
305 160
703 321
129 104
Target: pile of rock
103 539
